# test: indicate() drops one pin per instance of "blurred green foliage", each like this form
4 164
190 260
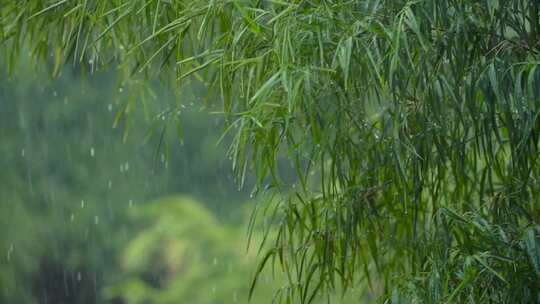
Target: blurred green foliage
67 179
183 252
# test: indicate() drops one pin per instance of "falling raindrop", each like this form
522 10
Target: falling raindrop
109 185
79 276
130 203
82 204
109 107
215 261
55 94
72 217
126 166
96 219
120 90
10 250
92 152
22 153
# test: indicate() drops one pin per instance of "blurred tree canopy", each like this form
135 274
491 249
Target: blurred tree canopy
183 253
67 180
413 127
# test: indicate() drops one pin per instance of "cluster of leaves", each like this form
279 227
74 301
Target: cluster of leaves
413 126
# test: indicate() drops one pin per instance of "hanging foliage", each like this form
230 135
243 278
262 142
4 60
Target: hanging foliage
413 127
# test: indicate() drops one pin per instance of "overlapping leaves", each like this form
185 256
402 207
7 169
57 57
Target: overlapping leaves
393 113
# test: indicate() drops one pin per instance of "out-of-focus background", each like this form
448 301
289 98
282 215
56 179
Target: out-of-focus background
102 202
94 214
